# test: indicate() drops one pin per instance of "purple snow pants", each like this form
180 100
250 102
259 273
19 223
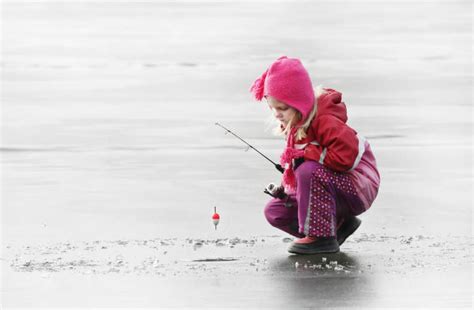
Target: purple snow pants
322 200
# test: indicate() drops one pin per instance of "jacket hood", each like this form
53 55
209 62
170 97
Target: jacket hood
330 103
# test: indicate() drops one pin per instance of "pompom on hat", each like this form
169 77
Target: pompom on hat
287 81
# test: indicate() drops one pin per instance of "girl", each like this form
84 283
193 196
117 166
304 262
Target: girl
330 172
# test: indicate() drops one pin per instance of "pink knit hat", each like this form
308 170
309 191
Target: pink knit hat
288 81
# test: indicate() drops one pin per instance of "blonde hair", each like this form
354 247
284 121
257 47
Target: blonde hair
302 129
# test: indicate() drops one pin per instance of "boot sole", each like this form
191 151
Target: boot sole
295 249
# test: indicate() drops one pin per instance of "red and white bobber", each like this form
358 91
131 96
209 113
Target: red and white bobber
215 218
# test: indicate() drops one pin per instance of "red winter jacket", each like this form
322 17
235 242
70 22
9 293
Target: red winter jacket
330 141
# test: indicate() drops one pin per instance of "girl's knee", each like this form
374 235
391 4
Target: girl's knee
306 169
275 213
269 211
310 170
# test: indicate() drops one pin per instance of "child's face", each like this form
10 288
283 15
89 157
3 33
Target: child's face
282 112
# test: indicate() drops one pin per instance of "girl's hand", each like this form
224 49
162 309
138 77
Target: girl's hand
275 191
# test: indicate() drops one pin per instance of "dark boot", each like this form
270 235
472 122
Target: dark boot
347 228
320 245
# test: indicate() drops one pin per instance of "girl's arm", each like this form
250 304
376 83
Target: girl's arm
339 145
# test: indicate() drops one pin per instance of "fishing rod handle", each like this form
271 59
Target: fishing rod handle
279 168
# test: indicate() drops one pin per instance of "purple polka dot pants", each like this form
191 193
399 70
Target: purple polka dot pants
322 200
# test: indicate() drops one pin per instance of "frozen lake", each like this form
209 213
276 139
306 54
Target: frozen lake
111 162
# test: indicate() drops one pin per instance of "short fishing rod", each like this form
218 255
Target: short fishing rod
277 166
